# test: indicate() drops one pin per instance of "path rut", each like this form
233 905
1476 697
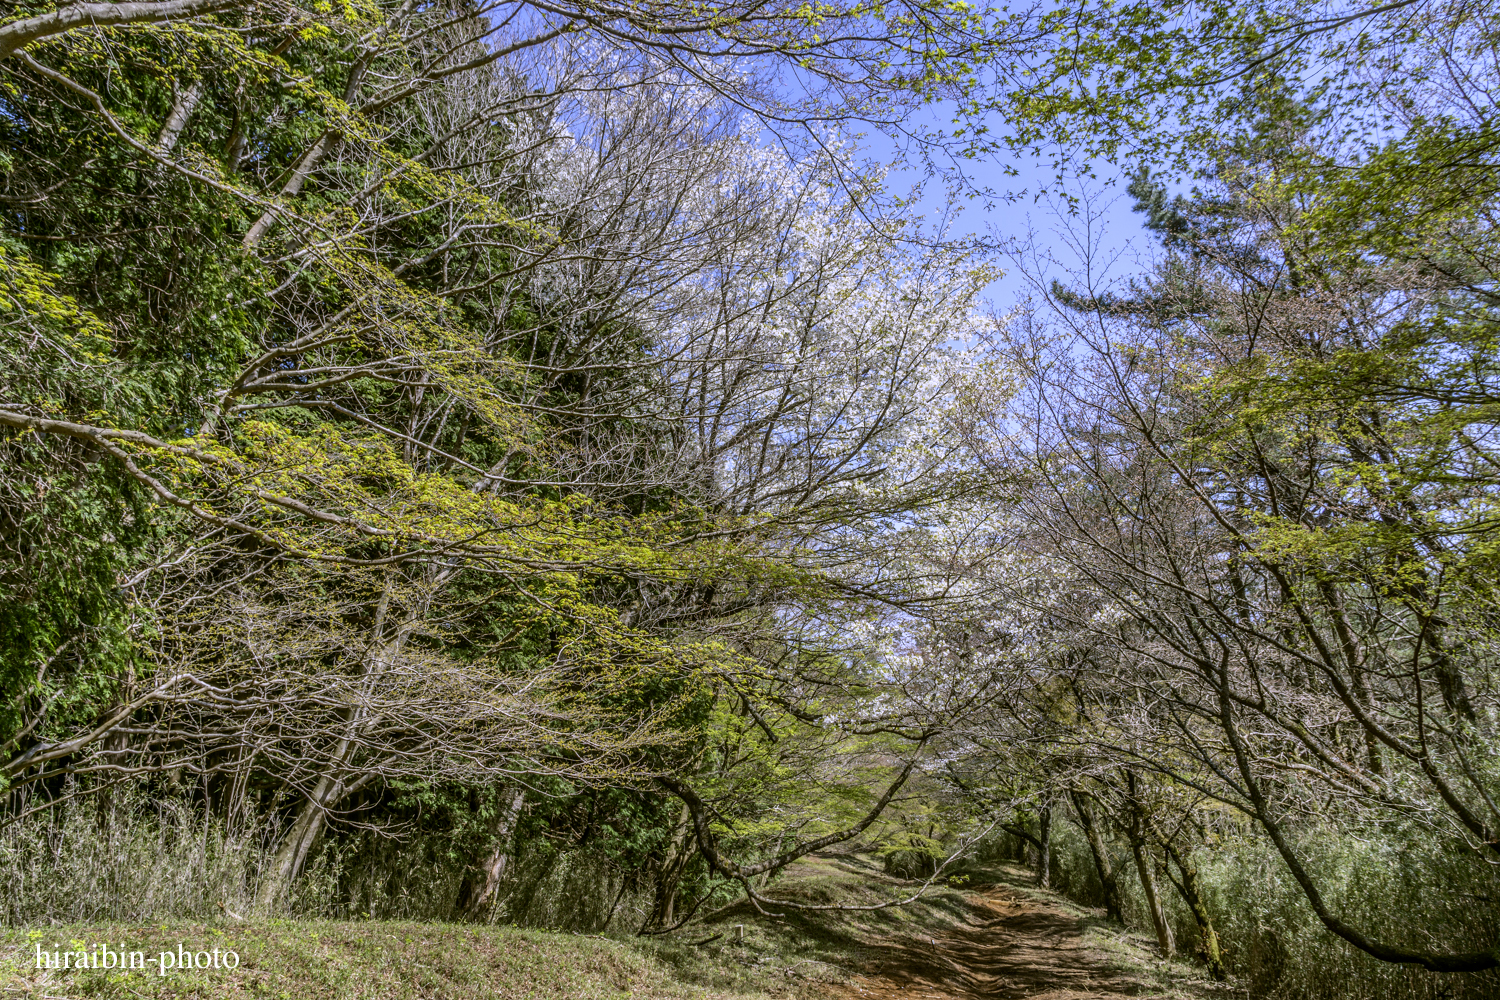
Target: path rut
1009 947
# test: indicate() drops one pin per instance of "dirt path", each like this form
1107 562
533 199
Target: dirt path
1009 947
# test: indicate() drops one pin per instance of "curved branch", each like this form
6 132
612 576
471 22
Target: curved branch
709 848
19 34
1468 962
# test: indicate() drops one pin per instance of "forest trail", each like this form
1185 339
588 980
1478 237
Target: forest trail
1008 947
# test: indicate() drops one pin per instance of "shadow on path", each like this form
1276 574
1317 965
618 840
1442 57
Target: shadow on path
1008 947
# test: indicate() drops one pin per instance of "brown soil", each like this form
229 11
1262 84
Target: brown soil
1009 947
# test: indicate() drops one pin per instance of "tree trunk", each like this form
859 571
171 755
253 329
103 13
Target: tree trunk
765 878
234 803
1189 889
177 119
669 876
1044 848
624 884
299 842
310 161
334 784
1143 865
478 893
1100 850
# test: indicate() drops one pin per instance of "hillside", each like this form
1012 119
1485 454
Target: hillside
996 936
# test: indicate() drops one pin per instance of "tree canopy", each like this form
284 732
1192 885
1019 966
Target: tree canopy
536 429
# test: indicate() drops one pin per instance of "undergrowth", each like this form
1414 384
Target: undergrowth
1274 944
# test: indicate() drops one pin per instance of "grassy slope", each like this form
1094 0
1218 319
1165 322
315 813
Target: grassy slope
736 955
369 960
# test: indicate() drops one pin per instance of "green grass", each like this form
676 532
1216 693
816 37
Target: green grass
372 960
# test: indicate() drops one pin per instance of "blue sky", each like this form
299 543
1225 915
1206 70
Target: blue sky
1033 214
